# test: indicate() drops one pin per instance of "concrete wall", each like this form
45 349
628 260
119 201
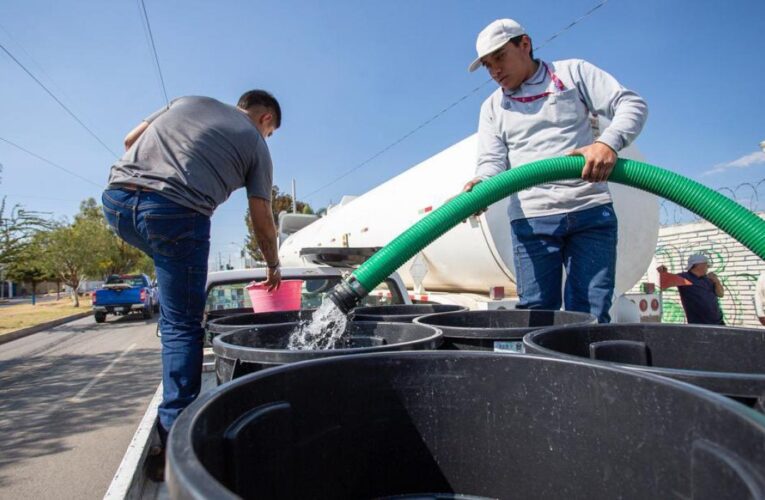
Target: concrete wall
736 266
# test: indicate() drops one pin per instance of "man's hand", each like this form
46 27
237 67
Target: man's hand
719 289
470 184
599 161
273 278
262 220
469 187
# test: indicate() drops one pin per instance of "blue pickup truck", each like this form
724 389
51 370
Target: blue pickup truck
123 294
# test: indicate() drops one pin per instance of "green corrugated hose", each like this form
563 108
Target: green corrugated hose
723 212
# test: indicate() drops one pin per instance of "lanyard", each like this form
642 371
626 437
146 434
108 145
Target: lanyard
558 84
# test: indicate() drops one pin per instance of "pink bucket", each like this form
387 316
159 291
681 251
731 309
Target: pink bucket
286 298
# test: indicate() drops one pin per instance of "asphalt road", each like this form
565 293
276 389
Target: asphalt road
71 398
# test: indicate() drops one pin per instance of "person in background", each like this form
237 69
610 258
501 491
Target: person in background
180 163
543 109
699 291
759 298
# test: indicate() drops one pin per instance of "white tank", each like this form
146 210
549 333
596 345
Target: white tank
475 255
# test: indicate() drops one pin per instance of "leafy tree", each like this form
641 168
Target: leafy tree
145 265
280 202
90 209
17 226
30 265
89 248
75 251
111 255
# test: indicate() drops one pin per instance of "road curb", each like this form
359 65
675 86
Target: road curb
24 332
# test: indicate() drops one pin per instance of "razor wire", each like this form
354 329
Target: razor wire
750 195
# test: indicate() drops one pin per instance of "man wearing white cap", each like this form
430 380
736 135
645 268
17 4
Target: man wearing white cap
542 110
699 296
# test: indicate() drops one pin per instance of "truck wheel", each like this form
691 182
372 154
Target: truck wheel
148 311
100 317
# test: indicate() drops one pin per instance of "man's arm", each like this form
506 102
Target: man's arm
492 150
719 290
265 232
606 97
134 134
626 110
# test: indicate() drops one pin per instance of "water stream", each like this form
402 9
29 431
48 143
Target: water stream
320 332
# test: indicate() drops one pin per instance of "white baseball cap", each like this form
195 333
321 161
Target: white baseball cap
696 259
494 36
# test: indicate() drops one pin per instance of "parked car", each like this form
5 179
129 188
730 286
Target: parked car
124 294
227 294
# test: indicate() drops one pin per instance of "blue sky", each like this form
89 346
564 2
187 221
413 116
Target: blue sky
355 76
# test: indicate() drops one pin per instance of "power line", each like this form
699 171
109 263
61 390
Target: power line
447 108
154 49
57 100
39 66
51 163
573 23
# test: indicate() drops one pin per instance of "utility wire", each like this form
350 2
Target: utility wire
57 100
37 65
70 172
573 23
154 50
447 108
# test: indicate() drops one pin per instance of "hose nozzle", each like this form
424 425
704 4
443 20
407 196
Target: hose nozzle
347 294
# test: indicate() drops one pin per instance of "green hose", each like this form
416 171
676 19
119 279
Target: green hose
740 223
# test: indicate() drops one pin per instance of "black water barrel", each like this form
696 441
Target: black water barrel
249 350
460 423
211 316
222 313
401 313
500 330
235 322
727 360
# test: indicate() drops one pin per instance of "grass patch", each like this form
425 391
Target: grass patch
18 316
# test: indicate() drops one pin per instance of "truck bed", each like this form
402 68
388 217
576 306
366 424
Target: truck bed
130 481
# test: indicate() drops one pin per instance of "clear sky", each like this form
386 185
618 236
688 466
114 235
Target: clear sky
355 76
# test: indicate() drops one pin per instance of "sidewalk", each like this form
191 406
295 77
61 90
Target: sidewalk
20 320
17 334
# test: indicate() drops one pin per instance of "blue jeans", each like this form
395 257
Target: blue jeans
178 240
583 243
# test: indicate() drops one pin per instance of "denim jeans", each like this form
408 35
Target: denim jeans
178 240
583 243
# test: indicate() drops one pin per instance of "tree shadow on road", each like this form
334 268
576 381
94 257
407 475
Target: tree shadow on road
38 408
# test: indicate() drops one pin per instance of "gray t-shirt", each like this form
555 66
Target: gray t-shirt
196 152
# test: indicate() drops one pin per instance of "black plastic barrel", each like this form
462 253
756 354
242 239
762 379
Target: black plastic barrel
401 313
727 360
464 423
233 322
222 313
500 330
249 350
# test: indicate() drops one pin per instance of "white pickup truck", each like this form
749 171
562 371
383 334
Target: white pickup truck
226 294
